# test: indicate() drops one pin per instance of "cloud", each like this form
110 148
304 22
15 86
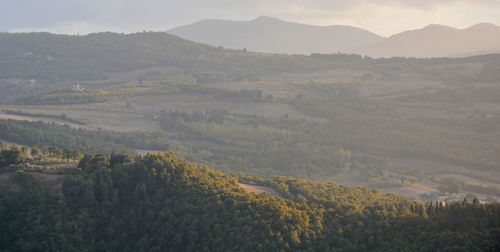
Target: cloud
382 16
397 16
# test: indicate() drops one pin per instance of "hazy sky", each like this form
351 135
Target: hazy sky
384 17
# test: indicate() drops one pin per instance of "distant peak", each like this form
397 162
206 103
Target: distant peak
438 27
481 25
265 19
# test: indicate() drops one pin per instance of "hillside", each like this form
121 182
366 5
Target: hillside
159 202
437 41
55 58
337 117
265 34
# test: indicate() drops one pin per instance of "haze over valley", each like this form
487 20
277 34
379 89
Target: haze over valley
258 135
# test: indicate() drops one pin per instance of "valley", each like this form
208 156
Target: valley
413 109
194 126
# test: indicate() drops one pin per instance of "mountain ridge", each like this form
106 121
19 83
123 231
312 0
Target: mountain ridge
272 35
436 40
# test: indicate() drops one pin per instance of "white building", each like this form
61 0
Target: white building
77 88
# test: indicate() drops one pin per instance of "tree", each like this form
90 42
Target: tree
35 152
54 152
67 154
116 159
475 201
451 188
22 178
420 210
11 156
25 150
77 155
97 162
85 162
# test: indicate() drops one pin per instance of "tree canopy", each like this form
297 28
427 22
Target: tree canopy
159 202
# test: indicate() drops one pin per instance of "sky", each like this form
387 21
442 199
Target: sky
384 17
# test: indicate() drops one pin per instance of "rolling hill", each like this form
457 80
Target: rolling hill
265 34
63 57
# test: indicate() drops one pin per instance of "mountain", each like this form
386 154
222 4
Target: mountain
159 202
437 41
265 34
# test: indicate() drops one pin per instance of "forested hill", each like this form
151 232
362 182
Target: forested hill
58 58
161 203
81 57
64 57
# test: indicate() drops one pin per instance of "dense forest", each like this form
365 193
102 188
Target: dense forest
159 202
43 135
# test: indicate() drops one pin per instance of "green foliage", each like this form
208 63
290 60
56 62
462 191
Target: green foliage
161 203
455 186
255 145
119 159
58 97
22 178
43 134
12 155
62 57
249 96
365 125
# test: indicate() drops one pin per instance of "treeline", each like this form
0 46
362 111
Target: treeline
52 57
63 116
250 96
63 97
12 155
161 203
62 136
364 125
177 122
451 185
256 145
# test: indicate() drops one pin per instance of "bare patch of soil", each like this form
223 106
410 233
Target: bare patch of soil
408 191
260 190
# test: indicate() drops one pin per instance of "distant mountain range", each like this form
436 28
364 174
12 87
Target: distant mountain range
437 41
265 34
